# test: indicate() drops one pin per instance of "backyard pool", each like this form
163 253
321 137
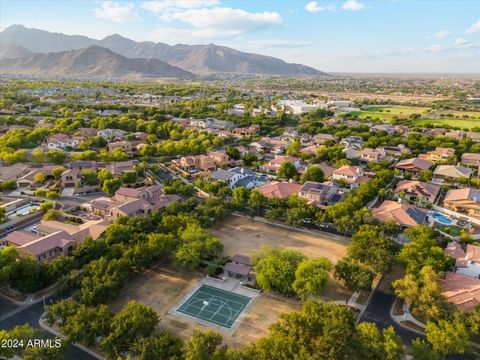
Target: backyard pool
23 210
442 219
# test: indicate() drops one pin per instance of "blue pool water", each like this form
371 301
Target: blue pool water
442 219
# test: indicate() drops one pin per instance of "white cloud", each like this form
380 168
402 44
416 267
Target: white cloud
313 7
280 43
228 19
473 28
353 5
442 34
191 36
168 6
116 12
460 42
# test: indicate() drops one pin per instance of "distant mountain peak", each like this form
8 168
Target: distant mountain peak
198 59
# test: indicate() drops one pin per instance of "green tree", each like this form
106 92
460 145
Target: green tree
162 346
313 173
240 197
56 156
39 177
373 344
293 149
422 351
423 250
425 175
447 337
57 172
204 346
46 205
133 322
370 247
90 177
129 177
232 152
111 186
355 276
103 175
287 170
276 271
311 277
257 201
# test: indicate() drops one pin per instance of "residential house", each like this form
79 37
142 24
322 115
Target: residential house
352 146
372 155
415 191
117 169
247 131
220 157
297 107
62 141
87 132
320 139
451 172
326 169
396 151
279 190
84 165
351 175
269 145
465 200
13 172
413 165
311 150
461 290
456 134
28 179
402 214
122 145
71 178
195 163
239 176
111 134
466 262
320 195
388 128
211 123
471 159
274 164
440 154
473 136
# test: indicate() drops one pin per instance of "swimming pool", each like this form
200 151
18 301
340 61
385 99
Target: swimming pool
442 219
24 210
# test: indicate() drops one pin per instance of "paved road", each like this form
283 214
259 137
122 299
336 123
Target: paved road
6 306
30 316
378 311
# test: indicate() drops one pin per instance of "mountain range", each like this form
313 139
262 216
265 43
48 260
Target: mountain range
42 53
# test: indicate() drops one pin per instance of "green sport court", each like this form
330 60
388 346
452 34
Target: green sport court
215 305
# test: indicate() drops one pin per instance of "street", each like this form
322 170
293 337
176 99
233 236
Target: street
31 316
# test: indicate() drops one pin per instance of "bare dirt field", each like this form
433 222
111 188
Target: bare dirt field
162 288
242 236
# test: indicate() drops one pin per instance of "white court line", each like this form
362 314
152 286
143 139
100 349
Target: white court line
220 297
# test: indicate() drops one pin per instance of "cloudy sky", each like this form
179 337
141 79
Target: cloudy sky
334 36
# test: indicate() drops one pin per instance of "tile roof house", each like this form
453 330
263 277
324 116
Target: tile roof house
311 150
320 195
471 159
396 151
326 169
320 139
461 290
121 167
454 172
403 214
41 247
220 157
466 262
239 176
372 155
352 175
280 190
62 141
246 131
418 190
438 155
413 165
274 164
239 267
195 163
13 172
465 200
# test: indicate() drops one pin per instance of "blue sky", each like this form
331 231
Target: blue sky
335 36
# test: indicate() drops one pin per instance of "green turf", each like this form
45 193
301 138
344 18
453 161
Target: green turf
462 123
221 307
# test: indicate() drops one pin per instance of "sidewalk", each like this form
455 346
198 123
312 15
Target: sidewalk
60 335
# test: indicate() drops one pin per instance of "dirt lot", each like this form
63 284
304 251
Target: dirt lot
162 288
242 236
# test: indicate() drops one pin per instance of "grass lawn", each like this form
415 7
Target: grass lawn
463 123
387 113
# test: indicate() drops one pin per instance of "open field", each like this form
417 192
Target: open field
162 288
242 236
459 122
387 113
